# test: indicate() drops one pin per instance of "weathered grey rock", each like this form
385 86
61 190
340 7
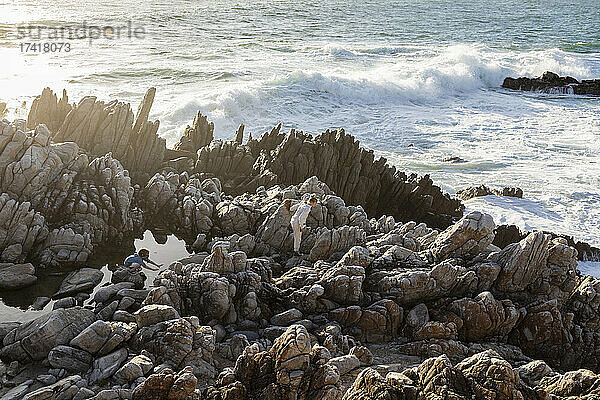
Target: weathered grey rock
34 340
70 358
287 318
179 204
87 202
153 314
197 136
16 276
135 368
63 389
167 385
127 274
482 190
104 367
103 337
522 263
375 324
40 302
467 238
66 302
343 284
580 384
484 317
533 372
17 392
105 293
6 327
505 384
341 239
82 280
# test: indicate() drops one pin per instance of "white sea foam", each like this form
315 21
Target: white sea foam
591 268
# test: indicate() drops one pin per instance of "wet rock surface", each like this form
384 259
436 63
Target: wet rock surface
396 294
550 82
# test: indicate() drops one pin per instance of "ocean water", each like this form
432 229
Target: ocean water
392 73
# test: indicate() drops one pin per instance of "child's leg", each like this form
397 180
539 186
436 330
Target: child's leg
297 236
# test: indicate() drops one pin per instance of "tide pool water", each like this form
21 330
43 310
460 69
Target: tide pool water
392 73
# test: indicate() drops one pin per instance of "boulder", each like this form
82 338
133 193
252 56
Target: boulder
33 340
16 276
104 367
153 314
467 238
70 358
82 280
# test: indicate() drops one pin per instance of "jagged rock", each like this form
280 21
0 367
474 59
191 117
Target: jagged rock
179 343
286 318
375 324
411 236
343 284
522 263
467 238
21 230
40 302
47 109
358 357
180 204
332 241
34 340
82 280
220 289
167 385
482 376
544 330
484 317
87 202
226 160
369 384
106 293
550 82
580 384
197 136
415 285
291 369
362 179
502 383
111 394
16 276
482 190
101 128
17 392
533 372
6 327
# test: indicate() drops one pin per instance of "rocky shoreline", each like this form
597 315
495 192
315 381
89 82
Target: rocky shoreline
398 294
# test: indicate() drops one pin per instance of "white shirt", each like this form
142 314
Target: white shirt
301 213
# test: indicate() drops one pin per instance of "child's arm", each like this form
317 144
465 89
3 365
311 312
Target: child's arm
153 263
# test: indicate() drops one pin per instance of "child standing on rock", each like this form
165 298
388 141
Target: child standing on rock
298 221
140 259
